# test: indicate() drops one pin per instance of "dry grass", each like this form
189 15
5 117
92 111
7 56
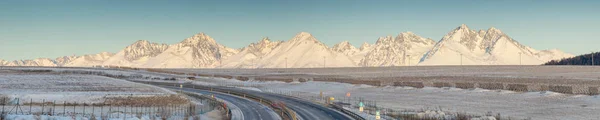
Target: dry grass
4 99
148 101
410 84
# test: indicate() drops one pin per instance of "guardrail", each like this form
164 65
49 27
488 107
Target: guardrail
209 98
289 114
336 107
347 112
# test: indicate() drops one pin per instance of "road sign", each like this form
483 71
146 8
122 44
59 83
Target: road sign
321 94
361 107
377 115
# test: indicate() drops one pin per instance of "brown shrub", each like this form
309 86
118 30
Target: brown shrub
491 86
302 79
146 101
4 99
441 84
242 78
517 87
465 85
593 91
410 84
561 89
224 76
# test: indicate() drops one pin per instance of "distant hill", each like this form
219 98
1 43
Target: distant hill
585 59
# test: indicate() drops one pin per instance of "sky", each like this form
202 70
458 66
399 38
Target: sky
52 28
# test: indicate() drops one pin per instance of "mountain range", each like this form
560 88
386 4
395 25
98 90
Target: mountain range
461 46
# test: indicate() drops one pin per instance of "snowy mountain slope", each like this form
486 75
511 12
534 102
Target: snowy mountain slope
249 55
35 62
198 51
398 51
136 54
552 54
304 51
365 47
460 46
42 62
345 48
90 60
464 46
61 61
361 52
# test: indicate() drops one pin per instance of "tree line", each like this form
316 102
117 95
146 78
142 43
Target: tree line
585 59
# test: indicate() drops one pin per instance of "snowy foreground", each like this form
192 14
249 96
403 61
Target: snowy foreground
461 46
70 87
517 105
62 85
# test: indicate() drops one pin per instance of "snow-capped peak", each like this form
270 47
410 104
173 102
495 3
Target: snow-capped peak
365 46
409 37
343 44
199 37
141 42
143 48
463 26
265 40
261 47
302 36
398 51
490 47
344 47
407 33
493 29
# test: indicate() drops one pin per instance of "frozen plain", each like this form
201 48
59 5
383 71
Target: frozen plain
76 88
70 87
535 105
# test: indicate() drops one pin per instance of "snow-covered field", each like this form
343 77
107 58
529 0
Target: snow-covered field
520 105
70 87
511 74
537 105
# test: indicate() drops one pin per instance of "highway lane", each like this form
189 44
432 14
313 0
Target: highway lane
250 110
305 110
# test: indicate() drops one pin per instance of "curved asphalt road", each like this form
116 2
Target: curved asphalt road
250 110
305 110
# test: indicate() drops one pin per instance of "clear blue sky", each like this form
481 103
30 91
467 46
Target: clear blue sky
52 28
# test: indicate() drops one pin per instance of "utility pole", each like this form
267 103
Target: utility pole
323 61
461 59
408 56
259 61
285 62
520 61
